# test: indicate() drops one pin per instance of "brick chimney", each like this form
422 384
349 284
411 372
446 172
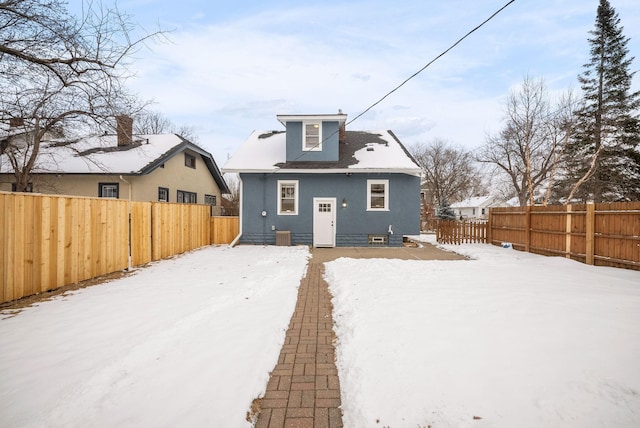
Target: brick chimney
124 130
342 130
15 122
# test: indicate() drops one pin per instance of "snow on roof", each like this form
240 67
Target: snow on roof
103 155
476 201
260 152
383 156
265 151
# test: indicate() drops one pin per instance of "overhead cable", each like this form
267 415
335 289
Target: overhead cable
431 62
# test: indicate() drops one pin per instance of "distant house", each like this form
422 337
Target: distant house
426 193
16 133
316 183
164 168
476 207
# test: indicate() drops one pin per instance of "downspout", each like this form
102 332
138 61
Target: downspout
129 267
237 238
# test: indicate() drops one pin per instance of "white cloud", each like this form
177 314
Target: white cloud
231 70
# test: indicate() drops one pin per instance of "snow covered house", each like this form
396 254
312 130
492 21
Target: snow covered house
476 207
17 133
163 167
316 183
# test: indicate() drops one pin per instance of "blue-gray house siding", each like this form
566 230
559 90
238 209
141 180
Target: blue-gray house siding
354 223
329 150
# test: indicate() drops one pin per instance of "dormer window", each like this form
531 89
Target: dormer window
312 138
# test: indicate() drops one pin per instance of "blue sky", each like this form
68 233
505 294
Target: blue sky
230 66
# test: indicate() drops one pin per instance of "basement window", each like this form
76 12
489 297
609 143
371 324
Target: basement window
377 240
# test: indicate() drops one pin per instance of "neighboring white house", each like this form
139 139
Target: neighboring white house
476 207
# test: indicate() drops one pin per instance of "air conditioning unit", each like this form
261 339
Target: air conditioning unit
283 238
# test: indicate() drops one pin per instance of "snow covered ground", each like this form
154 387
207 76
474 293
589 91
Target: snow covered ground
515 339
186 342
508 339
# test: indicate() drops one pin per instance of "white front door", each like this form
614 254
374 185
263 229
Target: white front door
324 222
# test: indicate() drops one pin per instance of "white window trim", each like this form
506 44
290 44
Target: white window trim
316 148
296 196
386 195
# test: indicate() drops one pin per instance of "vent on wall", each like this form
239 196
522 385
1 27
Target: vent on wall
283 238
377 239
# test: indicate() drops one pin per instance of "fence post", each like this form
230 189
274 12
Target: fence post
489 228
567 244
527 228
590 232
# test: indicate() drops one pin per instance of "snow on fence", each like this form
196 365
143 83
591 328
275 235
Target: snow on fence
49 241
460 232
600 234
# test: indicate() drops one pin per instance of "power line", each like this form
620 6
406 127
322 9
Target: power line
431 62
411 77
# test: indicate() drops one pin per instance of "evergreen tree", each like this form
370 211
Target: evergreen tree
445 212
602 160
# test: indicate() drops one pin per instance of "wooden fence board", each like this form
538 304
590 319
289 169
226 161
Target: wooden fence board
9 236
47 241
87 240
141 233
19 227
601 234
224 229
31 220
455 232
4 238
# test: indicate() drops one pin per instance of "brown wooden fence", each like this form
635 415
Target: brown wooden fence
224 229
460 232
600 234
49 241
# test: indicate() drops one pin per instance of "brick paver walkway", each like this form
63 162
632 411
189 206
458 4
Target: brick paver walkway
304 390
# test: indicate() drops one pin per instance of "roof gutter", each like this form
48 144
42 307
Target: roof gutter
237 238
413 171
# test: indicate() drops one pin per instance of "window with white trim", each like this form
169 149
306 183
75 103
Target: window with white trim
312 136
377 195
287 197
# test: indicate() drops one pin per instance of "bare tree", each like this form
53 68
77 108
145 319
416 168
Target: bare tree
152 122
148 122
450 173
561 128
232 200
527 149
59 73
